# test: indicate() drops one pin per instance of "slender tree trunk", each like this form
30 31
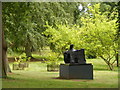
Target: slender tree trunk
4 52
117 59
28 50
8 66
118 35
1 69
5 64
4 48
4 57
110 66
28 47
108 63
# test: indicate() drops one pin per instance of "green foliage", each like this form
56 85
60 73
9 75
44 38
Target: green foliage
28 25
22 58
52 58
110 7
96 35
61 37
99 35
24 22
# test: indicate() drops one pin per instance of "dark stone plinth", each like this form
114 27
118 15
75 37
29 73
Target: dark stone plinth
76 71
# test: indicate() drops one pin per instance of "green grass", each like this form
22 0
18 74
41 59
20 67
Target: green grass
36 76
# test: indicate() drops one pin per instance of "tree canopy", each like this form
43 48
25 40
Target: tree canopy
30 26
97 35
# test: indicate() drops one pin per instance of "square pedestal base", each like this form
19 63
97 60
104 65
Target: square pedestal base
76 71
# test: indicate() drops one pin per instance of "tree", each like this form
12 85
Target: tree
96 35
3 49
20 30
19 18
99 35
24 22
118 34
111 7
4 57
62 36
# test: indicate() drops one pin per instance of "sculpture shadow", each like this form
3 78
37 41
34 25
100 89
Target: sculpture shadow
71 79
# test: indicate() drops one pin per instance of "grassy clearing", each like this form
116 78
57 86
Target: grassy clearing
36 76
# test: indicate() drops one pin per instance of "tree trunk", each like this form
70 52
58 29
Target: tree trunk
117 59
110 66
28 50
108 63
3 67
118 34
8 66
1 70
4 57
5 64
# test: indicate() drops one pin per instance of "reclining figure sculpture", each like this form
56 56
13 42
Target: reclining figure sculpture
74 56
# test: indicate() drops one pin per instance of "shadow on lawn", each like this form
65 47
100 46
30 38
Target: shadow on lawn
83 80
9 77
105 69
101 69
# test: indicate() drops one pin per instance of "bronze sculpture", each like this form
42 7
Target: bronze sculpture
73 56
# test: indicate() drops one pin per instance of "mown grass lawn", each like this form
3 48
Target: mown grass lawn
36 76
